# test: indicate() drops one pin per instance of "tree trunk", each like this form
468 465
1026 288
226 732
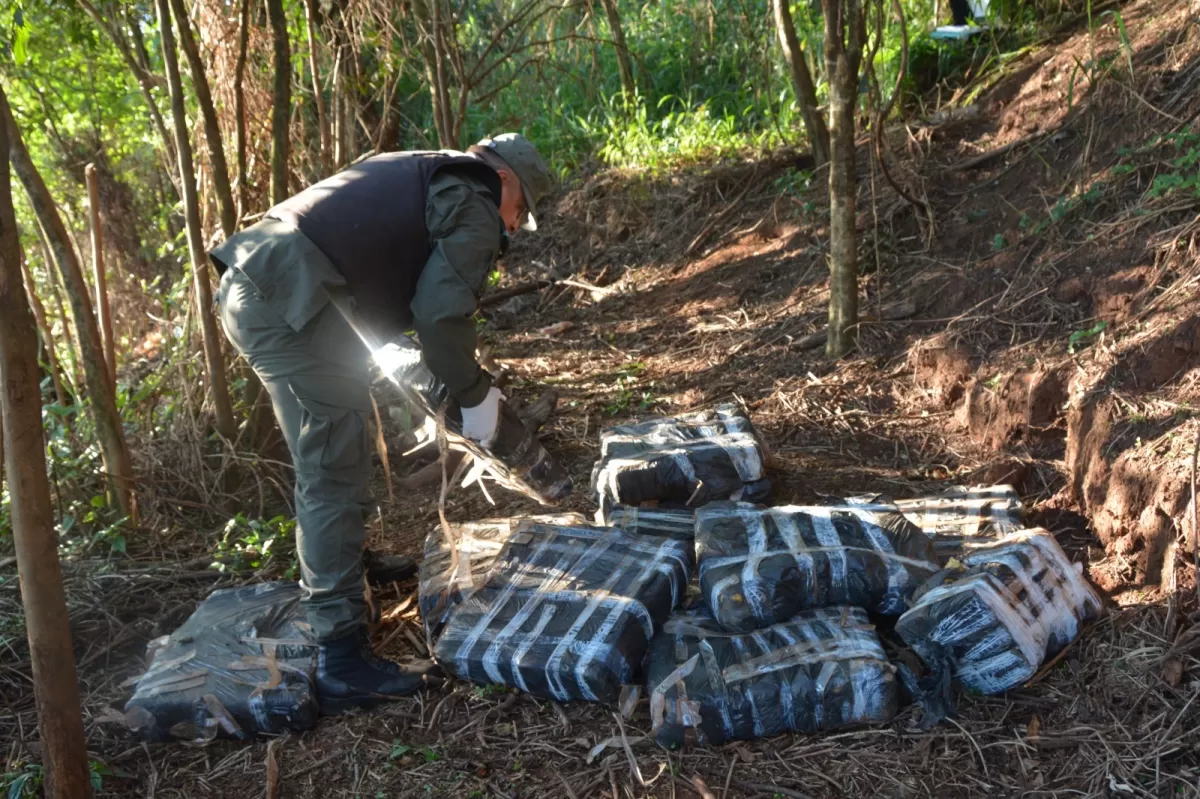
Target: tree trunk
428 20
336 110
55 688
845 35
239 104
310 17
103 311
802 82
212 128
39 315
389 127
218 386
107 421
624 62
442 72
281 107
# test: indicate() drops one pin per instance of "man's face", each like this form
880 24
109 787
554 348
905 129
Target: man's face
512 201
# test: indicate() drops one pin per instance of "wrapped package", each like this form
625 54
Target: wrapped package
822 670
964 517
961 517
566 612
515 458
241 665
993 620
687 461
678 523
443 583
761 566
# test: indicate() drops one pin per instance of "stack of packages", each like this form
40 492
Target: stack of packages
779 635
783 641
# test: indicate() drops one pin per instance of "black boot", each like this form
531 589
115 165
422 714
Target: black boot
349 675
383 569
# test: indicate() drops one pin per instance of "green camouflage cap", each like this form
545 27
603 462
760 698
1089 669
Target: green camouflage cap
524 159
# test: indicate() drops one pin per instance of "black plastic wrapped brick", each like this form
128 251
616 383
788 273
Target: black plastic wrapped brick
688 461
994 621
761 566
443 583
961 517
822 670
566 612
241 665
677 523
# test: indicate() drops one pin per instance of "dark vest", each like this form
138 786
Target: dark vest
369 220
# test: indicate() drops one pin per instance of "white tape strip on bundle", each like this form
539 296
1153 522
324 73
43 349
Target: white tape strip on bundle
803 654
627 517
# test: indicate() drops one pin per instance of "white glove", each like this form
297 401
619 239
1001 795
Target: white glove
481 422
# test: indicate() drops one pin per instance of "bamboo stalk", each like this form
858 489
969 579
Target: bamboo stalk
103 310
39 315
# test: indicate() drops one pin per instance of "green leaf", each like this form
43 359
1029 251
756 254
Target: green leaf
398 749
1079 336
97 771
16 788
20 43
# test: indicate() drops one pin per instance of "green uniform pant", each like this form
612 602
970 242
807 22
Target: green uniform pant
317 379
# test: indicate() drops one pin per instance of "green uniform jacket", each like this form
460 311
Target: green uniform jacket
466 235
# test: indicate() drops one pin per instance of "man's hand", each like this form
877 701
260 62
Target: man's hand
481 422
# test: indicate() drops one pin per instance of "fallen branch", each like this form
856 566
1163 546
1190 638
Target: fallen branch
566 786
892 313
992 155
1195 517
515 291
774 790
